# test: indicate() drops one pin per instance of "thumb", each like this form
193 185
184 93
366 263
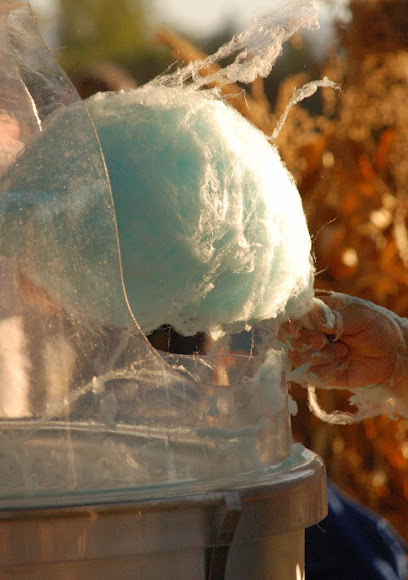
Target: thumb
323 319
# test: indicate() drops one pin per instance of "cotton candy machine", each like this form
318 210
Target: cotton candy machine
117 460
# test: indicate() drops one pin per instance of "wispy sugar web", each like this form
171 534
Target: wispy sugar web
256 48
304 92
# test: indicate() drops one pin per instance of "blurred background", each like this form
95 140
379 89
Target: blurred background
348 151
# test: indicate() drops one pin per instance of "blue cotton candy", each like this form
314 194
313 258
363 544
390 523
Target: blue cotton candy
211 228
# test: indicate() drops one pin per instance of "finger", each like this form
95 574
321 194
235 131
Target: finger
335 374
332 352
291 328
308 339
350 373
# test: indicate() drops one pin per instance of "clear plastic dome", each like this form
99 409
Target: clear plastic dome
86 403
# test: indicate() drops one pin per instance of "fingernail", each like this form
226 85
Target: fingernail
318 341
341 349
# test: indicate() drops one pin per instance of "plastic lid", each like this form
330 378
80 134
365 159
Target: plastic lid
86 403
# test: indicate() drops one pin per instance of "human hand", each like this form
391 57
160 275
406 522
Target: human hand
347 342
